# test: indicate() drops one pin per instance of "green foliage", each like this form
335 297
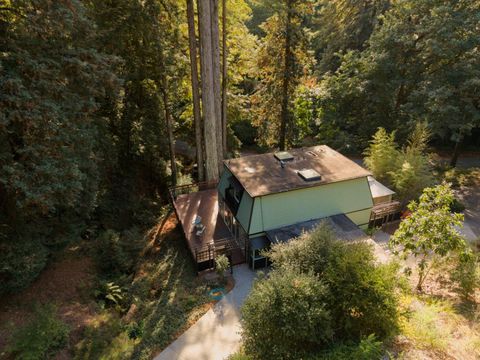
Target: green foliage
221 265
420 62
239 356
412 171
105 339
381 156
459 177
286 316
109 293
457 206
430 230
408 170
369 348
48 129
361 296
245 132
51 79
357 293
41 337
467 274
20 263
270 68
116 253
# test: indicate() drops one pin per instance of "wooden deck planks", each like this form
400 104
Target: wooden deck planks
204 204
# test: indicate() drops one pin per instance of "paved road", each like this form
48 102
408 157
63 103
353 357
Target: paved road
217 334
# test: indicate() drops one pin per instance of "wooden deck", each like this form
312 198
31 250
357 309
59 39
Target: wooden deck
204 203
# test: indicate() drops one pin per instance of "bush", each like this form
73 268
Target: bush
105 338
381 155
361 294
221 265
20 263
285 316
41 337
467 275
110 294
317 275
116 253
408 170
457 206
369 348
245 132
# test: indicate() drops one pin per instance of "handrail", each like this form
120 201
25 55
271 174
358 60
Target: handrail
210 251
174 191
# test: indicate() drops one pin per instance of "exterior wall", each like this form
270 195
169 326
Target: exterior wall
361 218
244 210
223 183
246 202
382 199
351 197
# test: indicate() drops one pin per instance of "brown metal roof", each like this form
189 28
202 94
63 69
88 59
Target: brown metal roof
262 174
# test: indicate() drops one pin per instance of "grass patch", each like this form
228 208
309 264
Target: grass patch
41 338
422 323
105 338
438 327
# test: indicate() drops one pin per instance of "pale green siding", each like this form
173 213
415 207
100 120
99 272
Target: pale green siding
256 225
347 197
244 210
361 218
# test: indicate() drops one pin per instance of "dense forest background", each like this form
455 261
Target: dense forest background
93 92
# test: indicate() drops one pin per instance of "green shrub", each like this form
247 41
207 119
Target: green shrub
221 265
467 275
245 132
285 316
361 293
41 337
109 294
457 206
105 339
408 170
369 348
239 356
116 253
381 155
20 263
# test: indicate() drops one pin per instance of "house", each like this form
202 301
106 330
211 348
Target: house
267 198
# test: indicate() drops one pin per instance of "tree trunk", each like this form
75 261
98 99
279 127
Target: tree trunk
456 153
210 120
288 61
216 80
171 141
224 77
197 118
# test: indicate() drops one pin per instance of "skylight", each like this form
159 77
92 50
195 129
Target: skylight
283 156
309 175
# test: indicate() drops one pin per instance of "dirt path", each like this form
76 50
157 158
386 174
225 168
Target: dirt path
63 283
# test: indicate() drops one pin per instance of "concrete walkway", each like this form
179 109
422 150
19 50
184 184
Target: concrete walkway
217 334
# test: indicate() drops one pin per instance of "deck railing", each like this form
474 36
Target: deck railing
225 246
174 191
383 213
